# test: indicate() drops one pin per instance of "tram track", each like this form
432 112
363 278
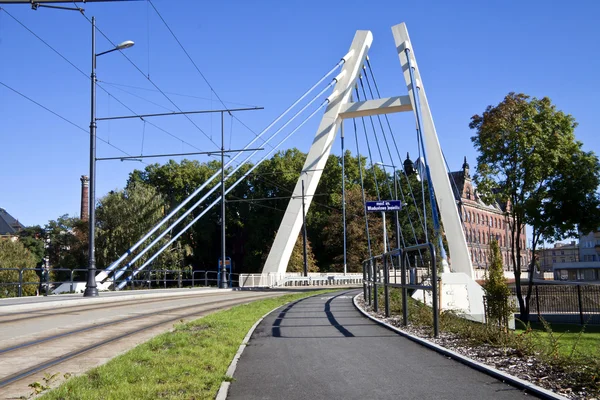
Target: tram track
29 348
50 313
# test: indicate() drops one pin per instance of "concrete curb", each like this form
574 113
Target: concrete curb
512 380
224 389
48 304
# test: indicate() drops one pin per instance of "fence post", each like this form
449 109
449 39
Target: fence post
404 292
375 296
364 282
205 278
537 301
20 288
386 290
71 275
580 305
179 280
434 294
47 279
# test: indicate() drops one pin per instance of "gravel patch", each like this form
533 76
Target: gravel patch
508 360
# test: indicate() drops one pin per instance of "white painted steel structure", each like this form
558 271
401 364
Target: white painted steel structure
460 291
341 108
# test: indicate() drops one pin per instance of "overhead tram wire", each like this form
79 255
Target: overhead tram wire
392 159
192 60
208 181
61 117
219 199
88 78
395 144
153 84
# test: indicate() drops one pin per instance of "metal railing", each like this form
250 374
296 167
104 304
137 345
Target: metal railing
577 303
155 278
382 270
297 279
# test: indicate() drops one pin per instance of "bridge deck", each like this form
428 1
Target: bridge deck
323 348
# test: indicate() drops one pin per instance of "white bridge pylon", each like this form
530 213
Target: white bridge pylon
460 288
340 108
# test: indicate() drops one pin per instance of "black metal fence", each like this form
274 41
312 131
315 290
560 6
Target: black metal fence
574 304
394 270
150 279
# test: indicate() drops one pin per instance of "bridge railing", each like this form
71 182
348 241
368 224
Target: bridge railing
13 280
297 279
395 270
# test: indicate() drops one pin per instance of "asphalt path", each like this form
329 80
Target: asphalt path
323 348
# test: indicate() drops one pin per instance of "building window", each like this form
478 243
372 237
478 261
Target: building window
477 218
478 237
468 193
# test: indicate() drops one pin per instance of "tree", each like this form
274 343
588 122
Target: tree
67 246
496 290
296 263
13 255
123 217
530 159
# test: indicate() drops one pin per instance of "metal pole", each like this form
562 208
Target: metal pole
344 193
385 243
223 255
396 212
91 290
304 232
386 281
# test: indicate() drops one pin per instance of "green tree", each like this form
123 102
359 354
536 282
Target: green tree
496 290
529 158
123 217
14 255
67 247
296 263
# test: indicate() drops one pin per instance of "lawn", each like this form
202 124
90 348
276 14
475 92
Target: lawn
188 363
568 339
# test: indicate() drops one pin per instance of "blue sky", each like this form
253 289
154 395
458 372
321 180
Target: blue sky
470 54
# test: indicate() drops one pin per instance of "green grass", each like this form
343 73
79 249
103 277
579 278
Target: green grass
567 339
188 363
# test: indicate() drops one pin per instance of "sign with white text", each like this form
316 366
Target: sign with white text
383 205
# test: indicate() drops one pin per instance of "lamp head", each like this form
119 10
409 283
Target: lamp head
125 45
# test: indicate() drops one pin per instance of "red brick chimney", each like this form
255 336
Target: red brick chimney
85 198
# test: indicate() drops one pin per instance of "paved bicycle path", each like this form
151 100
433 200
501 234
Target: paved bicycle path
323 348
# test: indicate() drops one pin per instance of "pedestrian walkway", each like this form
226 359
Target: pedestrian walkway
323 348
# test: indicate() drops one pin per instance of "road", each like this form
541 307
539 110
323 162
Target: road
323 348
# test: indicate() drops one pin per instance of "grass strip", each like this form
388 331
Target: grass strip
187 363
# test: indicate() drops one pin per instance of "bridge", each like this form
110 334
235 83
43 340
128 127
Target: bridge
320 347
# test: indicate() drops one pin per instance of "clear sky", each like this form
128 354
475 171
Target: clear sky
266 53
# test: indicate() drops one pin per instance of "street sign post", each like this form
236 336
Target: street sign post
383 205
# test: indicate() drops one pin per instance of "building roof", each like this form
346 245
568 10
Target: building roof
8 224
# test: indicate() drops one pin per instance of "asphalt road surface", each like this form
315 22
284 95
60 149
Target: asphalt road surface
323 348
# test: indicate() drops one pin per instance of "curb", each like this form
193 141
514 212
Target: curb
48 304
512 380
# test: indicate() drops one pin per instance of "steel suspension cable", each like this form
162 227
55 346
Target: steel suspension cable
216 201
362 188
216 174
373 168
387 120
401 167
229 175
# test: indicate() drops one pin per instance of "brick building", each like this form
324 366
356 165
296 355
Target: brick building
482 222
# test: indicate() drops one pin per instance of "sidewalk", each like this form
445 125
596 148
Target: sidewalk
323 348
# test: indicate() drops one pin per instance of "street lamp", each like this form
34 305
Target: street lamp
396 197
91 290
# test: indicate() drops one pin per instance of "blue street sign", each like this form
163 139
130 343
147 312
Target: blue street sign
383 205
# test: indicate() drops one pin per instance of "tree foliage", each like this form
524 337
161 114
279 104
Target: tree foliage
497 293
14 256
529 158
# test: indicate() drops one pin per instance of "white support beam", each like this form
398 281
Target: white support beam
316 159
457 245
376 107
